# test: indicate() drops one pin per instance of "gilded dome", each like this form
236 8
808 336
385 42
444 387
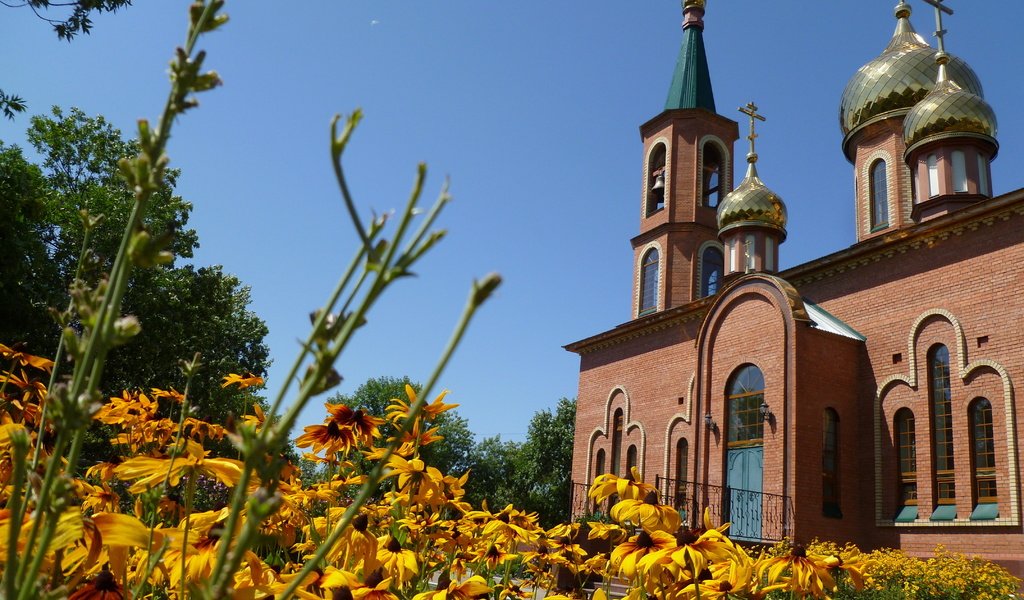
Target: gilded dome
898 79
752 204
948 110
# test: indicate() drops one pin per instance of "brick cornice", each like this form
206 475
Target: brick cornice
908 239
663 228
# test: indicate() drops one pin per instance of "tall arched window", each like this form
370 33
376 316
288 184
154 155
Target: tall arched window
599 463
617 423
830 464
959 162
983 453
656 179
906 442
879 196
649 282
711 189
983 176
746 393
710 271
942 432
681 473
631 458
933 175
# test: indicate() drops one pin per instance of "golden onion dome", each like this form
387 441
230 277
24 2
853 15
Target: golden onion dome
899 78
752 204
948 111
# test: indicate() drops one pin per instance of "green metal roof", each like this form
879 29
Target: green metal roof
691 82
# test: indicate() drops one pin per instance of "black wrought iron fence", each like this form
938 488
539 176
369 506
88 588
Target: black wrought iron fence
755 516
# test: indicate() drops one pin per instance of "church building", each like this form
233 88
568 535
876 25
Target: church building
866 396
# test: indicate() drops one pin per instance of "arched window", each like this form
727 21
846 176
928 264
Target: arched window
933 175
830 464
631 458
710 271
746 393
616 440
983 176
712 180
681 473
649 282
599 463
656 179
983 453
959 170
879 196
906 442
942 431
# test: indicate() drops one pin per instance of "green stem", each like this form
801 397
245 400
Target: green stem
376 474
19 450
190 491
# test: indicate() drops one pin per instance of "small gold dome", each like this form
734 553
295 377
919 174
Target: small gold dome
752 204
948 111
898 79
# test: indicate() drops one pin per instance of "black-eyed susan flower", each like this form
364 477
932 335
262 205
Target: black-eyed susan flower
474 587
647 513
396 562
150 471
626 555
799 572
243 381
102 587
631 487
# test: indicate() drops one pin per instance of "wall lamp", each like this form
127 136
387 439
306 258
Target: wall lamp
709 422
766 412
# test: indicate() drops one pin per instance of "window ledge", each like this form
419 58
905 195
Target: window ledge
986 511
944 512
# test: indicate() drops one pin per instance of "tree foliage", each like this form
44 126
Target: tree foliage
183 309
452 455
79 20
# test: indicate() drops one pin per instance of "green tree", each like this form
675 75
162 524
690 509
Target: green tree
183 309
544 467
452 455
496 474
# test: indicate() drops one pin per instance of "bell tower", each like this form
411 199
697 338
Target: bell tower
687 170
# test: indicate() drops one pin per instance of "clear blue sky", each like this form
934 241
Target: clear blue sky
531 107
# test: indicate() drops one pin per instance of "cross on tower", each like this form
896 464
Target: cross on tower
940 33
751 111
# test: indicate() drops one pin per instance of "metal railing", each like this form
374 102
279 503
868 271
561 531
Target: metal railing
755 516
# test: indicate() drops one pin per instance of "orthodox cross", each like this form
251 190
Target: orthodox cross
751 111
940 33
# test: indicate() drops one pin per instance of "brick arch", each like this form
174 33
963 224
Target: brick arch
659 295
601 431
789 306
726 176
685 416
965 371
891 190
647 165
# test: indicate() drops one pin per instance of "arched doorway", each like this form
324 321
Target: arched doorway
745 452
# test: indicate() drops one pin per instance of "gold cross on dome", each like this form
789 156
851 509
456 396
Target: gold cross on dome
940 33
751 111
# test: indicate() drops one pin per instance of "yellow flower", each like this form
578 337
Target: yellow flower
150 471
474 587
243 382
397 562
24 358
647 513
799 572
627 554
399 408
631 487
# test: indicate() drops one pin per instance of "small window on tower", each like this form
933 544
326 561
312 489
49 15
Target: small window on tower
712 181
649 282
656 174
879 196
711 271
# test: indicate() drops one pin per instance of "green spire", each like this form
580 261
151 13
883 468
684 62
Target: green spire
691 82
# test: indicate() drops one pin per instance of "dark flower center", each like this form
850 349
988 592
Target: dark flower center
360 523
342 593
444 581
726 586
332 429
374 579
644 540
105 582
687 537
799 551
651 497
704 575
394 546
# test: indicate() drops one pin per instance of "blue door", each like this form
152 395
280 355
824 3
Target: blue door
745 467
